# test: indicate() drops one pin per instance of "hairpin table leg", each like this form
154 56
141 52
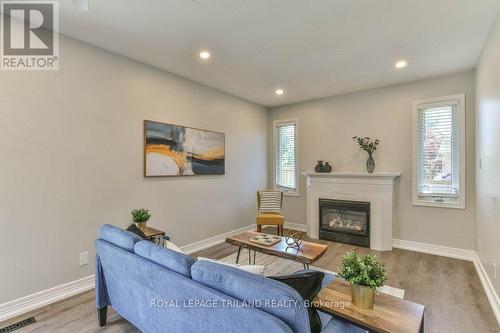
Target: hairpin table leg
238 255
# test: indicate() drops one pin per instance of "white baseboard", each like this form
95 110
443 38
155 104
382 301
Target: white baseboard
488 287
35 301
444 251
295 226
219 239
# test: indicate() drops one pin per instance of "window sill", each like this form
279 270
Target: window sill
291 194
458 205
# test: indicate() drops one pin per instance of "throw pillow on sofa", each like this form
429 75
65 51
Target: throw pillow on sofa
308 284
256 269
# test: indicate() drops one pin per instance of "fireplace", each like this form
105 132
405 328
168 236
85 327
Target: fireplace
345 221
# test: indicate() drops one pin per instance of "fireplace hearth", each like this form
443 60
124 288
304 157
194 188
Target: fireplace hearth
345 221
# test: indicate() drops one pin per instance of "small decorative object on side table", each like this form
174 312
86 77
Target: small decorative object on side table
369 146
140 216
365 273
294 238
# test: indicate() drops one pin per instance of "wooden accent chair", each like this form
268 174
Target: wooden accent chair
268 216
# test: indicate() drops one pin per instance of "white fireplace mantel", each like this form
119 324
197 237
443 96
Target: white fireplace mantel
376 188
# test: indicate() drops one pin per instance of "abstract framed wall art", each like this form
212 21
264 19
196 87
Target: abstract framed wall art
172 150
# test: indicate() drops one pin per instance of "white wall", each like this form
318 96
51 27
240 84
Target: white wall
488 150
72 159
325 133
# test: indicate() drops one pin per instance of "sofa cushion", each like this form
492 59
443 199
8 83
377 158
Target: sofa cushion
268 295
308 285
329 277
119 237
173 260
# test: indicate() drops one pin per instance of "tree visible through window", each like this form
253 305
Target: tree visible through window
438 150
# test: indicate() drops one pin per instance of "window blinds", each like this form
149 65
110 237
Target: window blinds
286 157
438 149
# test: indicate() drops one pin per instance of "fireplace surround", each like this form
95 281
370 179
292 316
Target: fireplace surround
374 188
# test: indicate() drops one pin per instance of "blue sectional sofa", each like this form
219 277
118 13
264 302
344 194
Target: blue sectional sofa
160 290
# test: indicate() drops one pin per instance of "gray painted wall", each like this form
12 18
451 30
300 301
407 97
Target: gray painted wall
72 159
488 150
326 128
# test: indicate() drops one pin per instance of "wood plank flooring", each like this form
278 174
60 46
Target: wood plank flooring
450 289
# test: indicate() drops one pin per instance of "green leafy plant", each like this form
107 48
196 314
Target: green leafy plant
367 144
140 215
362 270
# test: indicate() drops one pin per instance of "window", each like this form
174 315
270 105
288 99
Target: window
286 153
439 152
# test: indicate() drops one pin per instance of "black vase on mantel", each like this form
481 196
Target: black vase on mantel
320 167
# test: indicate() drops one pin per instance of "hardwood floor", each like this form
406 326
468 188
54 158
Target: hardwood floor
449 288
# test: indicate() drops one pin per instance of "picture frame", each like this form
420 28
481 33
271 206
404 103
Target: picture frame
173 150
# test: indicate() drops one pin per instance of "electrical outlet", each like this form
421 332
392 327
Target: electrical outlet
493 202
480 163
84 258
494 271
479 245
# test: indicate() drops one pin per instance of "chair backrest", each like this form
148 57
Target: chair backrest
267 203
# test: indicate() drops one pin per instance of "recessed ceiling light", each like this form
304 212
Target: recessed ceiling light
279 92
204 55
401 64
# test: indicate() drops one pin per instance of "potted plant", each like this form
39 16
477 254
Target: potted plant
140 216
369 146
365 274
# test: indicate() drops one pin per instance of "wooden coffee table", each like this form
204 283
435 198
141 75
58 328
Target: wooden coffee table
306 254
389 314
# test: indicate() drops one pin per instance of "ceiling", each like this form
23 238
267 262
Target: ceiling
309 48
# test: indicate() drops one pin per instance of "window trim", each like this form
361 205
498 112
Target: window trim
276 123
418 201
